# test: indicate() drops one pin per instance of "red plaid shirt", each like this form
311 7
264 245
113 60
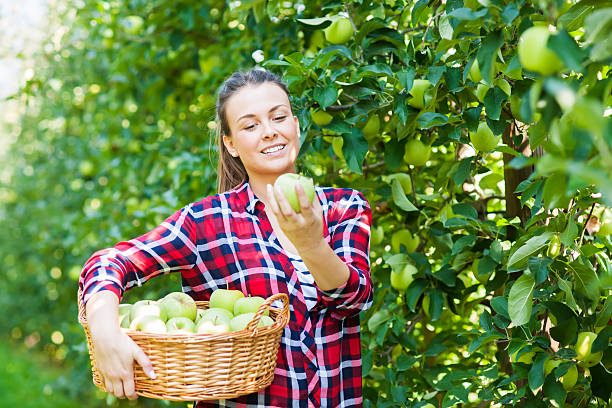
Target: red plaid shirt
226 241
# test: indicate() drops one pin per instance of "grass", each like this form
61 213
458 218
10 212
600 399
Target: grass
26 380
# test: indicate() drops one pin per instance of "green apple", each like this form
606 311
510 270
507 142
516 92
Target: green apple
404 237
133 24
371 128
533 53
212 313
569 379
554 246
87 168
216 316
525 357
605 223
124 310
125 322
419 86
504 86
225 299
377 235
550 364
483 139
404 180
583 349
320 117
287 182
147 307
266 321
340 30
208 327
179 304
240 322
401 280
180 325
417 153
150 324
481 91
249 304
474 74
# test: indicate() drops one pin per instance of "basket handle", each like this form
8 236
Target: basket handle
283 317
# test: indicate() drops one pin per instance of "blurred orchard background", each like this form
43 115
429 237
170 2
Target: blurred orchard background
486 159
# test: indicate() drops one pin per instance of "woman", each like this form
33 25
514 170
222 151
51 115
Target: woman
248 237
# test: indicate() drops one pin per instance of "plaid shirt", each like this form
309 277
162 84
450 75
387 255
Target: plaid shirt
226 241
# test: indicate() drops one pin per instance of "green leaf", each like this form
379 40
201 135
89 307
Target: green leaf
487 54
519 258
404 362
414 292
554 390
465 210
431 119
399 197
493 102
585 278
462 243
354 149
496 251
314 21
463 171
602 342
566 48
536 372
570 234
406 78
325 96
520 300
603 316
500 305
539 268
566 287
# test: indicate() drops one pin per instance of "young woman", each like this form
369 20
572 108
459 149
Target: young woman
248 237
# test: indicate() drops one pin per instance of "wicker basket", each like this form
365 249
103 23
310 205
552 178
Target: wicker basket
190 367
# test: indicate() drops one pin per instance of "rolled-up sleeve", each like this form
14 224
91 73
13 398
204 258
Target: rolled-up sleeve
170 247
349 218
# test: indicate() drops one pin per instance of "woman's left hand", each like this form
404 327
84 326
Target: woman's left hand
303 229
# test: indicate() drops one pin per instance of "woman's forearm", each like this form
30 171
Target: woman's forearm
328 270
102 313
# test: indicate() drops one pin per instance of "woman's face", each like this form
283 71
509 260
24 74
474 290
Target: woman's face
264 132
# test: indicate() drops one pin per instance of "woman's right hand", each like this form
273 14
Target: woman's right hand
115 351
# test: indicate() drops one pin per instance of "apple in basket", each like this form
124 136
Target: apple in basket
150 324
178 304
180 325
213 327
145 308
240 322
225 299
249 304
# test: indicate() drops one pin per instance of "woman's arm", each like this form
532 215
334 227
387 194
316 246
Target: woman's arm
341 267
115 351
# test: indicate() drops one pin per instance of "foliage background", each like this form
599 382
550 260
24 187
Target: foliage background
118 130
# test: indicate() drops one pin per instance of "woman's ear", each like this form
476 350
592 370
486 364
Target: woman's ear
297 124
229 145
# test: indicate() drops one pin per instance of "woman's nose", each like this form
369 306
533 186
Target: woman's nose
268 130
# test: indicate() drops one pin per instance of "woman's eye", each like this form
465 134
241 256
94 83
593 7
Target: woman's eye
249 127
280 117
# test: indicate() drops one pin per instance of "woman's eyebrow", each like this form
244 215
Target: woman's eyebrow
272 109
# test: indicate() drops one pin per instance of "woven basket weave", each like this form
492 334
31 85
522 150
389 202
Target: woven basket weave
190 367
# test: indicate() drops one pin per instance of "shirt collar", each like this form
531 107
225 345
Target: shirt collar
252 203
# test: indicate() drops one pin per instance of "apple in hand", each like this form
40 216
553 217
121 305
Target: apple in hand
583 349
180 325
225 299
340 30
287 182
533 53
150 324
178 304
249 304
124 310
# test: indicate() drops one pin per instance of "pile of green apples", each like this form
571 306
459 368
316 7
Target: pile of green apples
177 313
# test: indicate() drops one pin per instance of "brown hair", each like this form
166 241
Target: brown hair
231 172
